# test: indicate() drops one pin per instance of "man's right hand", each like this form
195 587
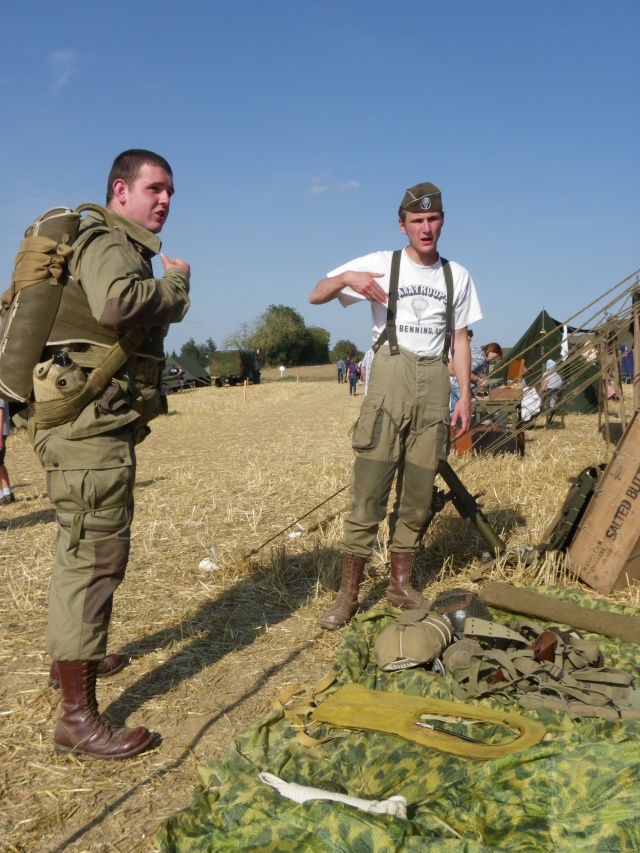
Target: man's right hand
175 263
366 285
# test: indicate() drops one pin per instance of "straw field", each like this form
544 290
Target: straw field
220 605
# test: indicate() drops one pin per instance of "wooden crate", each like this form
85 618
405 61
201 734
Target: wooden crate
605 552
506 393
486 439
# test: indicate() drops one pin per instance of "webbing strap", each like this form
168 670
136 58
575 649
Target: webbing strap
573 682
55 412
389 332
448 279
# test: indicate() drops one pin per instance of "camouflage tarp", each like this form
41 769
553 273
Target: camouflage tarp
577 790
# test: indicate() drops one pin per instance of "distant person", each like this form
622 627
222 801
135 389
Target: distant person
481 359
365 367
404 421
281 368
341 367
352 376
531 402
6 495
551 382
181 376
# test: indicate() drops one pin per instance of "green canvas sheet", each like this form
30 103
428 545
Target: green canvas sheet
577 790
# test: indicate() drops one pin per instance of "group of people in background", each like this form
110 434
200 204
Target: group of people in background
354 372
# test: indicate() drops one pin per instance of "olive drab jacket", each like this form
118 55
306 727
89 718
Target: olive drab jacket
112 288
111 291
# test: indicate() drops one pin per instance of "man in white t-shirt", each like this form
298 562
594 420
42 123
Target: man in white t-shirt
403 426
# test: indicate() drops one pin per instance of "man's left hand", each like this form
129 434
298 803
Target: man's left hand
461 418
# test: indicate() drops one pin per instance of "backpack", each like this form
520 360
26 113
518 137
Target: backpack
29 310
30 305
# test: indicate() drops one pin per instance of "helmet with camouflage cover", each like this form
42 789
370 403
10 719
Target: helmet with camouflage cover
458 604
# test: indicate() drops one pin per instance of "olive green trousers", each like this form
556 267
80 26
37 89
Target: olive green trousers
90 481
403 430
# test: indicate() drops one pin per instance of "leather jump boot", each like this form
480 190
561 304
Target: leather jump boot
81 729
400 592
346 604
109 665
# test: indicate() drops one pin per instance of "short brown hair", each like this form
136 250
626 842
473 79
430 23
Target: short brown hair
127 165
492 347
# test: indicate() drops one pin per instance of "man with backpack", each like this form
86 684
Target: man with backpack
114 311
421 306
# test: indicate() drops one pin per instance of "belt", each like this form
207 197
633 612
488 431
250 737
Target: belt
144 370
137 367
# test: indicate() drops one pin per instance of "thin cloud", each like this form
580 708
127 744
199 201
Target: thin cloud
325 184
63 67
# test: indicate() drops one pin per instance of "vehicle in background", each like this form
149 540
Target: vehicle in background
233 367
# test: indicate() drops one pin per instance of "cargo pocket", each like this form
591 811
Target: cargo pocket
365 433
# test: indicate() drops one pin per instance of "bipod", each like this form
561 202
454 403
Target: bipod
467 506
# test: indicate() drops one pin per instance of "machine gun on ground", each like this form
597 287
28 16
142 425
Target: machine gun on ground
467 506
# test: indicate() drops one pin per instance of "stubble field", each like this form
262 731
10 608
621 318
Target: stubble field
220 605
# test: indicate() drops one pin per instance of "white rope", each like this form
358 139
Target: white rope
395 806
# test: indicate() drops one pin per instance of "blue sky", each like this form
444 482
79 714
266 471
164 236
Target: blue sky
293 129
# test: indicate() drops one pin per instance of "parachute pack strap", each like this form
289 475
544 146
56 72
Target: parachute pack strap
389 331
97 208
448 280
284 699
55 412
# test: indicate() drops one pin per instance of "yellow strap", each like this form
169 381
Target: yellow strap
356 707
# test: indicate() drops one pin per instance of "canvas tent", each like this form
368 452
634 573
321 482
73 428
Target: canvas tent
543 340
195 373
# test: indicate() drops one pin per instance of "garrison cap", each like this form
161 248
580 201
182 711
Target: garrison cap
422 197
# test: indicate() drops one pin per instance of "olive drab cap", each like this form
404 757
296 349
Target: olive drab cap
422 197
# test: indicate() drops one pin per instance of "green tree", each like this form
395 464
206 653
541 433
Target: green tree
200 352
281 335
241 338
345 349
317 351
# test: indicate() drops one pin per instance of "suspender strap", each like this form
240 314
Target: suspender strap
448 280
389 331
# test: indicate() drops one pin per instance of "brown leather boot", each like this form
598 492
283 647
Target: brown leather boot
81 729
400 592
346 603
109 665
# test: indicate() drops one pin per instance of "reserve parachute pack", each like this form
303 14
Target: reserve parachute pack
30 305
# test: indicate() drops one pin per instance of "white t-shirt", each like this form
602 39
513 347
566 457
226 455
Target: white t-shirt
422 296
